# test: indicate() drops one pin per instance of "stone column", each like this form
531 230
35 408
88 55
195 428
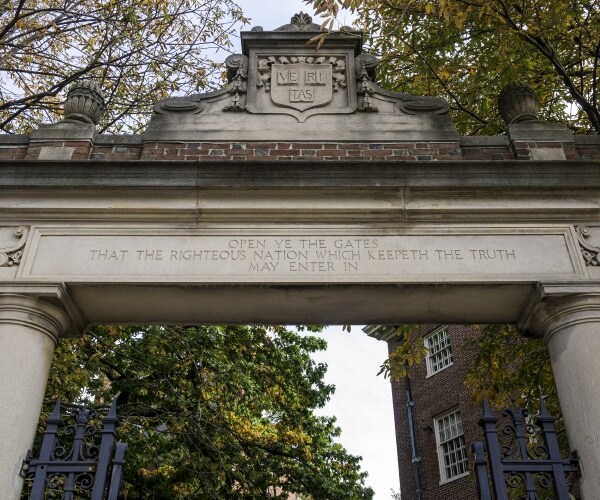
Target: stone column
570 324
29 331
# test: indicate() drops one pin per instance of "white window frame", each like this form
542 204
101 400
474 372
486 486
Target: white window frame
448 360
457 436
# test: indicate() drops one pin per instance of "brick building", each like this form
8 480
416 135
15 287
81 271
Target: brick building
436 420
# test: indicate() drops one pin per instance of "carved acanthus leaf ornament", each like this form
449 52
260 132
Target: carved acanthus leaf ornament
11 255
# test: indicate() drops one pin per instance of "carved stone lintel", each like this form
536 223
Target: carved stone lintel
589 251
11 255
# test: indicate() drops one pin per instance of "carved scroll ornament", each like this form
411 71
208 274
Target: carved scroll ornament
11 255
589 251
237 75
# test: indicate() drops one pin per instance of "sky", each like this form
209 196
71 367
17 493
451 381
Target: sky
362 402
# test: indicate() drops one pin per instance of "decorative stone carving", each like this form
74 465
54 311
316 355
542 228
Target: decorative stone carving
178 105
85 102
301 82
281 81
365 66
237 65
300 22
336 66
427 105
11 253
518 103
590 252
237 75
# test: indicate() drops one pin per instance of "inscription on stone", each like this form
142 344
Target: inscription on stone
302 86
301 258
312 255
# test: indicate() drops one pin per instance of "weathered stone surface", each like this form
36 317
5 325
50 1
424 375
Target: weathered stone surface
55 153
283 88
301 255
66 130
473 178
539 131
85 102
547 154
29 330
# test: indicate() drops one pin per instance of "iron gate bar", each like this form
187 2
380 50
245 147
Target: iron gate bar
117 471
528 464
99 467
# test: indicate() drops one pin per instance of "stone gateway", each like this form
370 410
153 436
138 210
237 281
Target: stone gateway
300 192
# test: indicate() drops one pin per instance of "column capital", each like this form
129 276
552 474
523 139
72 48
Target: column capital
556 306
43 307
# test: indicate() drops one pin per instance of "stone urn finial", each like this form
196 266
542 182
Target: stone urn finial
518 103
85 102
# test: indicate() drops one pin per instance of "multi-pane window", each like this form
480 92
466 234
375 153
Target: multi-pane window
452 453
439 354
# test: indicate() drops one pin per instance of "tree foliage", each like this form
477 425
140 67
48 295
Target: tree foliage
509 368
138 50
409 352
467 50
213 412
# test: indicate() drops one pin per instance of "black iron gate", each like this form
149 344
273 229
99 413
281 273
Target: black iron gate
525 464
78 458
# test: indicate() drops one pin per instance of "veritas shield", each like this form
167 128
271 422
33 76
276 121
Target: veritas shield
301 86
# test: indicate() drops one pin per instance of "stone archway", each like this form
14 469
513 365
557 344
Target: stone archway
300 192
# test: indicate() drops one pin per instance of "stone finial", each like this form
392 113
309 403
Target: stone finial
518 103
300 22
85 102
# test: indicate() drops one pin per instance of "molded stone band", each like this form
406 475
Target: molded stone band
552 310
34 313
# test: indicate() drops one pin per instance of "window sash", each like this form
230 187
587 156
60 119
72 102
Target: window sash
439 351
452 452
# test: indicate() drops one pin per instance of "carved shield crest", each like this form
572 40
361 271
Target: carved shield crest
301 86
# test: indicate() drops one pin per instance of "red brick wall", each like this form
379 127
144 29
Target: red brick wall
81 149
109 148
257 151
12 152
433 396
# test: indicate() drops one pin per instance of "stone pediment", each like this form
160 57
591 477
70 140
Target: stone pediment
282 87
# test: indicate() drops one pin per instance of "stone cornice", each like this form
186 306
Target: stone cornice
501 175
